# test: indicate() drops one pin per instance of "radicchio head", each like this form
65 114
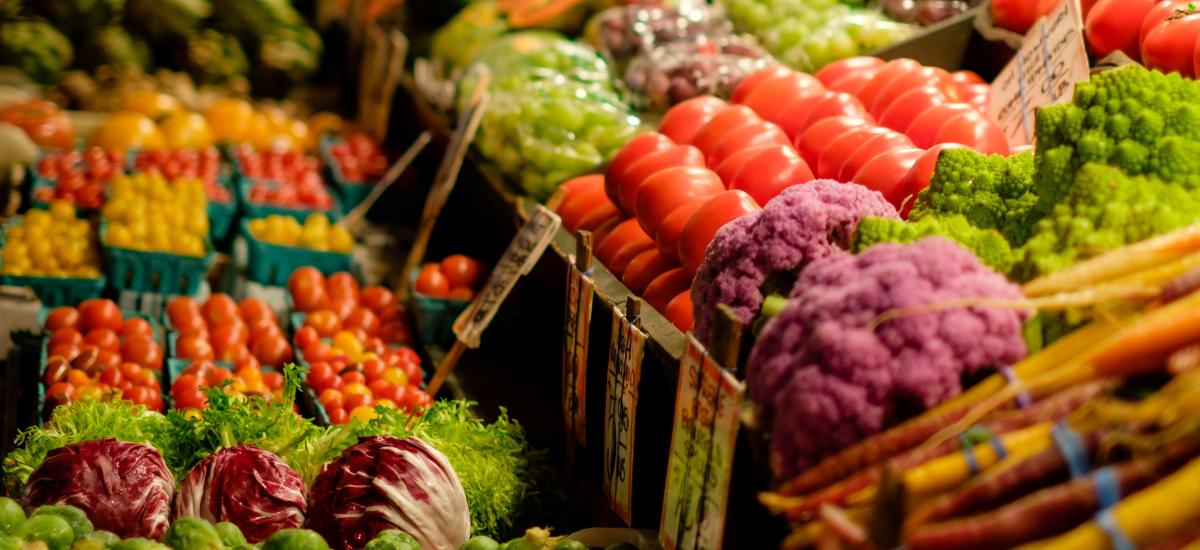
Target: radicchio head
247 486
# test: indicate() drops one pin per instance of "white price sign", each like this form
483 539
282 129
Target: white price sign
620 411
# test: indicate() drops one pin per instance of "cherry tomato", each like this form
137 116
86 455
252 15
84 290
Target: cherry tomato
61 392
924 128
681 122
137 325
868 150
769 172
755 134
1019 15
107 359
306 336
679 311
354 401
134 372
185 383
851 65
342 307
819 135
643 268
923 76
319 375
669 189
733 116
325 322
975 130
64 336
901 112
331 399
100 313
704 223
342 286
146 352
337 416
628 231
254 311
395 332
61 317
220 309
272 379
769 98
917 178
307 288
841 147
433 283
376 298
191 347
462 270
885 172
273 351
1171 45
362 318
758 78
56 370
633 151
652 163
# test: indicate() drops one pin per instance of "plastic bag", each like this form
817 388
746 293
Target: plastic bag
624 32
673 73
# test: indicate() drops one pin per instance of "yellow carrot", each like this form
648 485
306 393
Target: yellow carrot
1120 262
947 472
1148 517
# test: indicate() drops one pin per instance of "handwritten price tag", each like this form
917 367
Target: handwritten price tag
522 253
1044 71
576 327
620 410
703 438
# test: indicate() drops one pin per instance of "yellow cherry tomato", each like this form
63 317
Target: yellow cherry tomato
385 403
184 130
62 210
128 129
229 119
395 376
151 103
355 388
364 413
348 344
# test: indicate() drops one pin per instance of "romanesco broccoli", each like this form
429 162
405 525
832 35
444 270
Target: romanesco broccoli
987 244
990 191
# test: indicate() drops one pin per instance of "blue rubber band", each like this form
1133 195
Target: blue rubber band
1024 400
998 448
1108 488
1107 523
1072 448
969 451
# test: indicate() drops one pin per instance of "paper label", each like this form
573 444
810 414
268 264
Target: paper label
576 328
703 439
522 253
1044 71
620 412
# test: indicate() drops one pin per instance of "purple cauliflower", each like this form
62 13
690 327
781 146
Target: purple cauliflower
245 485
828 377
803 223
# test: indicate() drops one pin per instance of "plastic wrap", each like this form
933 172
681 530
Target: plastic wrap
624 32
669 74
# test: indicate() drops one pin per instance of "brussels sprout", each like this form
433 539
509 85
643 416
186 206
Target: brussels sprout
393 539
77 518
96 540
139 544
569 545
231 535
11 515
480 542
51 529
295 539
192 534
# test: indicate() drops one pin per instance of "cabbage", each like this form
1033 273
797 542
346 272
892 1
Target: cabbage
385 482
246 486
124 488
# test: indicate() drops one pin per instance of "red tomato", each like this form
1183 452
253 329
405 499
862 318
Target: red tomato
574 185
769 98
61 392
733 116
966 77
100 313
704 223
837 151
732 165
432 283
891 70
682 121
64 336
362 318
584 201
139 394
112 377
817 136
679 155
679 311
146 352
885 172
669 189
307 288
191 347
626 232
136 325
917 178
103 338
325 322
924 128
1019 15
850 65
1115 24
220 309
643 269
770 171
107 359
975 95
975 130
598 216
908 105
342 286
65 351
833 105
633 151
373 368
868 150
319 375
265 329
667 237
461 270
62 316
272 351
228 336
376 298
395 332
253 311
337 417
924 76
1159 12
626 254
755 134
1171 45
757 78
182 307
854 83
56 370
